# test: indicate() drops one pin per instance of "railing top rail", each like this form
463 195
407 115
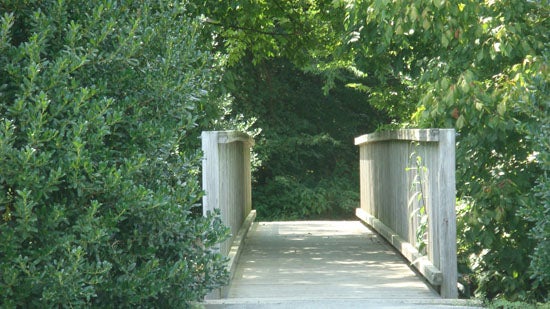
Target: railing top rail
418 135
226 137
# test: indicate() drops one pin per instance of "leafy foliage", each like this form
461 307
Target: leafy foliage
99 102
419 175
309 165
263 30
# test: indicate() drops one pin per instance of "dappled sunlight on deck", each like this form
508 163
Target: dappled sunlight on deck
322 260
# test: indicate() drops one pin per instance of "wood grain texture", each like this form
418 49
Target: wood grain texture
322 260
407 178
226 178
416 135
422 264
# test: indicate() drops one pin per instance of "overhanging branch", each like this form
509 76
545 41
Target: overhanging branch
219 24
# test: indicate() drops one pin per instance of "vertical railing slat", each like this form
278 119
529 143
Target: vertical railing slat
391 182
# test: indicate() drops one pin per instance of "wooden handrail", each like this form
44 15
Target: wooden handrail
408 176
226 178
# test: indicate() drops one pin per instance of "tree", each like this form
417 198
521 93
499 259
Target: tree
263 30
99 107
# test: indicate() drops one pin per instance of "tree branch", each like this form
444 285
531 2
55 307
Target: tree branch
219 24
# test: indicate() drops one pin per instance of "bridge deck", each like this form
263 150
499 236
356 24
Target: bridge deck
322 260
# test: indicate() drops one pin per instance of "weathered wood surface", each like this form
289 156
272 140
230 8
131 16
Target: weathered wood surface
226 178
424 266
401 172
322 260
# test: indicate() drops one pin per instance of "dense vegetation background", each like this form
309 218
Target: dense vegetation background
309 167
102 103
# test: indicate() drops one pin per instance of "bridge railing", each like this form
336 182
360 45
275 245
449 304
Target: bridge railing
408 195
226 181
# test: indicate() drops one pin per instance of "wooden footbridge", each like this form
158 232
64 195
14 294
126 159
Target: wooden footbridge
400 253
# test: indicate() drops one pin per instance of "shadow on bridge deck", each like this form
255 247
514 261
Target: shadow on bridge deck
324 264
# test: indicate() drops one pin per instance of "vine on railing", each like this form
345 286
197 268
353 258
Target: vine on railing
417 201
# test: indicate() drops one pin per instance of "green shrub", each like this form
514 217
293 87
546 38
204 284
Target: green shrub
502 180
536 209
99 107
505 304
287 198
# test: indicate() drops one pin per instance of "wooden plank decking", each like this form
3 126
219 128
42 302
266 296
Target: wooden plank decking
324 264
322 259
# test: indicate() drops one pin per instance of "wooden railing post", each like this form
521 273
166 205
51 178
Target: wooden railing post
226 182
226 178
444 213
398 167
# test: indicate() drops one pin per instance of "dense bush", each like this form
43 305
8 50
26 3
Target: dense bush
99 105
309 166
